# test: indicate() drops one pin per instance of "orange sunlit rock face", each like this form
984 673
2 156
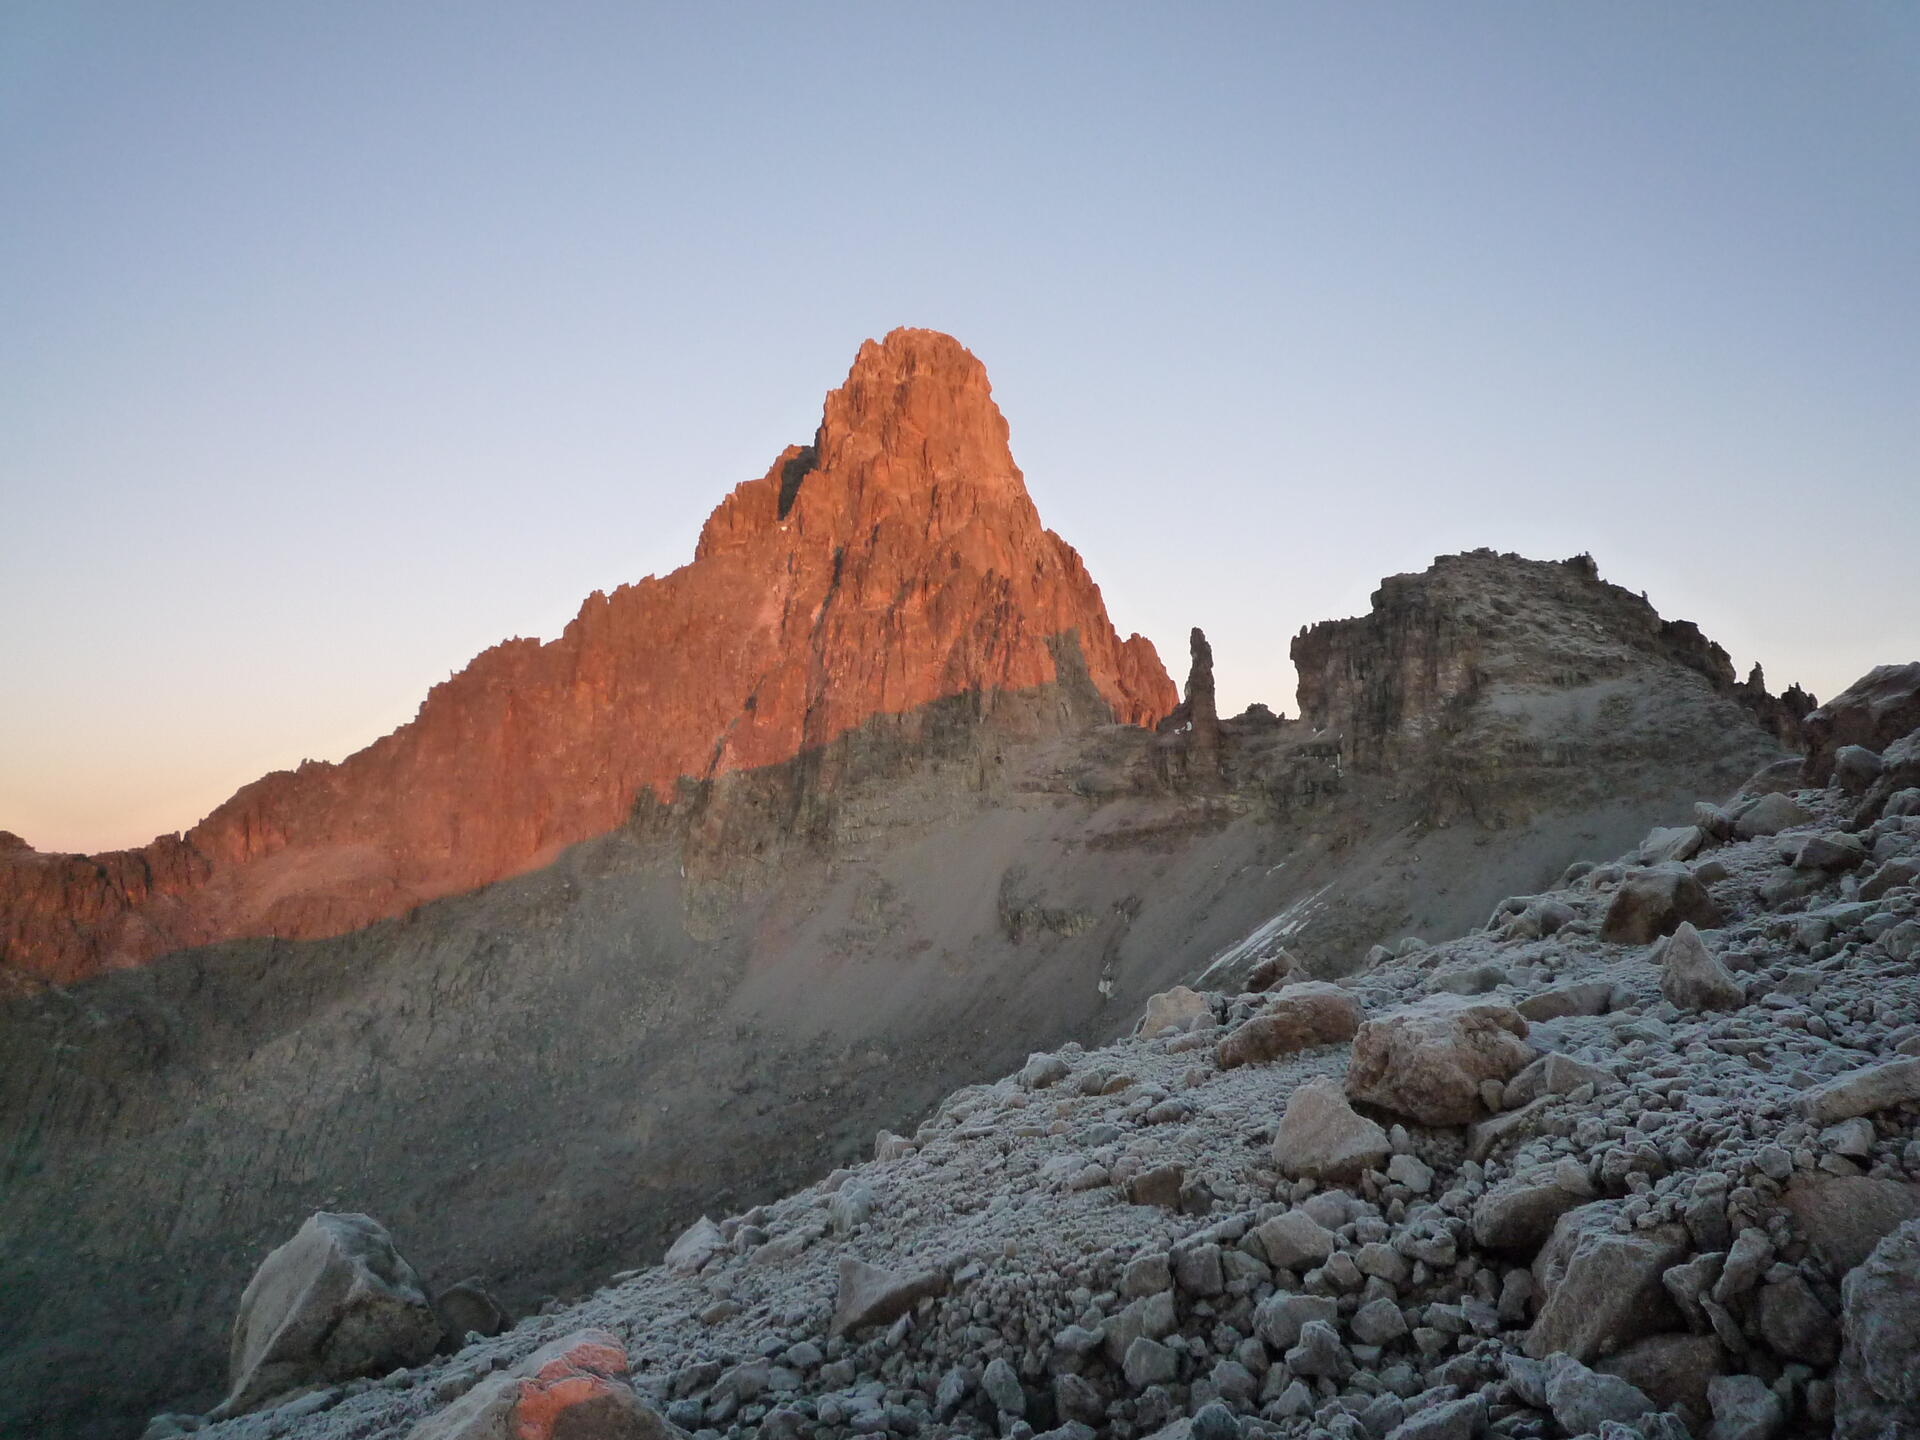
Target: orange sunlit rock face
894 562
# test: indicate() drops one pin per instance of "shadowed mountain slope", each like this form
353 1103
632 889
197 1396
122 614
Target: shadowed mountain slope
538 1082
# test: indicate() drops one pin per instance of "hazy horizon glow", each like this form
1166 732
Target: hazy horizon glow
338 343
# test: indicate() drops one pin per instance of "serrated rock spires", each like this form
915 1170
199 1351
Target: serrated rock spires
896 561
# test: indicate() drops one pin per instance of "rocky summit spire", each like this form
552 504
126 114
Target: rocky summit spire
894 562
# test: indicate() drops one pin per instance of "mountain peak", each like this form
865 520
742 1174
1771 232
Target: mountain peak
894 563
913 431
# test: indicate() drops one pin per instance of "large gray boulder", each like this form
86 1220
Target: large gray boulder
1874 1087
1844 1216
1427 1061
1655 901
335 1302
1692 977
1322 1137
1601 1288
1299 1018
874 1295
1877 1387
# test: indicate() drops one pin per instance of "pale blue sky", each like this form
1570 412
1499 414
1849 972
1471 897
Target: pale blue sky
339 341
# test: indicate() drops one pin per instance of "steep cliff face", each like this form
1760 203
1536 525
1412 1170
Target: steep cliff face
1488 675
895 562
1876 710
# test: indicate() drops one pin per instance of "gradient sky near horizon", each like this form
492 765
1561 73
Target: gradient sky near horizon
341 340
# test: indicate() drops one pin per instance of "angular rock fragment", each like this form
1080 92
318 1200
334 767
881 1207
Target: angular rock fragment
1656 901
1769 815
1555 1074
1825 853
1322 1138
1303 1016
1900 871
1294 1241
1680 842
335 1302
872 1295
1877 1387
1588 997
1600 1288
1691 978
695 1248
1427 1061
1863 1091
1175 1009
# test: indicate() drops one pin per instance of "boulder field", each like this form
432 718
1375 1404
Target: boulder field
1516 1184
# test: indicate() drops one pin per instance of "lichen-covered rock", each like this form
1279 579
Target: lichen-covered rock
335 1302
1427 1061
574 1388
1299 1018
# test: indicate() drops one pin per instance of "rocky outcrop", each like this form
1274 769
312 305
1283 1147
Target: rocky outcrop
1486 673
1194 724
1780 715
1880 707
894 562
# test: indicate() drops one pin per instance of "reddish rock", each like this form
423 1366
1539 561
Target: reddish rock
572 1388
894 562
